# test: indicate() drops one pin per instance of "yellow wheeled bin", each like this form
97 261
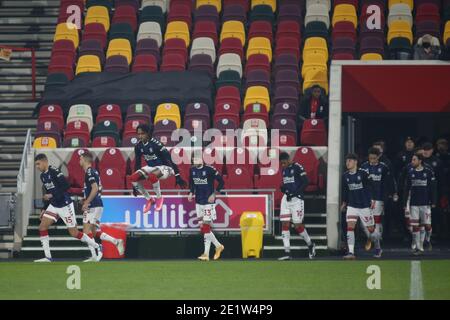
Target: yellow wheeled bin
252 224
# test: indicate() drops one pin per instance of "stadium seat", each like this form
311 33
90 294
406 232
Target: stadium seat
177 29
233 29
175 46
271 3
258 78
343 45
159 3
229 62
163 132
343 29
316 29
48 129
254 133
262 12
120 47
153 14
427 27
203 63
371 45
61 64
232 45
64 48
173 62
95 31
313 133
287 78
238 177
216 3
112 158
203 46
135 4
75 171
427 12
169 111
122 31
207 13
314 61
410 3
227 111
106 128
259 45
326 3
228 95
256 111
400 12
268 181
52 113
315 45
205 29
180 12
446 32
287 45
145 63
125 14
284 110
289 29
98 14
345 12
286 94
92 47
261 29
229 77
111 112
148 46
400 48
88 63
313 77
234 12
67 31
112 179
196 114
258 62
117 64
290 12
317 12
77 129
81 112
287 129
44 143
371 56
103 142
257 94
400 29
306 157
108 4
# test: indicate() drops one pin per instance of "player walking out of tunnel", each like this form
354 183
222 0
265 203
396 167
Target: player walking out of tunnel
292 205
93 206
201 183
58 204
159 166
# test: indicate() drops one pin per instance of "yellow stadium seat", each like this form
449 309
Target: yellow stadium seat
446 31
410 3
98 14
345 12
259 45
44 142
178 29
67 31
215 3
271 3
88 63
257 94
400 28
314 61
233 29
371 56
314 45
119 47
313 77
169 111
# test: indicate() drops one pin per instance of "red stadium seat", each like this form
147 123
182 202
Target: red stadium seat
241 157
77 129
145 63
104 142
257 61
243 3
343 29
189 3
125 14
205 29
306 157
180 12
261 28
112 179
256 111
272 181
228 94
288 45
95 31
175 46
427 12
232 45
313 133
76 173
111 112
238 177
113 158
64 48
173 62
52 113
61 64
131 125
288 29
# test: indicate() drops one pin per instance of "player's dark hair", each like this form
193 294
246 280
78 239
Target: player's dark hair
40 157
427 146
351 156
283 156
419 156
144 127
87 155
374 151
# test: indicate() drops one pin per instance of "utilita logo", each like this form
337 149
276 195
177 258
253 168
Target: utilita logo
176 216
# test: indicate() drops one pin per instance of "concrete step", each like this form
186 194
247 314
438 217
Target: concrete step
18 123
30 3
18 105
20 88
29 20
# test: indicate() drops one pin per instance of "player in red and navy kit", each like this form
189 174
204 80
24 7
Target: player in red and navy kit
58 204
201 184
159 166
384 186
358 199
292 205
93 205
420 186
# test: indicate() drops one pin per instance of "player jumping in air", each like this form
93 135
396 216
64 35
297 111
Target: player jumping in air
201 183
358 200
58 204
159 166
93 206
292 205
421 188
383 186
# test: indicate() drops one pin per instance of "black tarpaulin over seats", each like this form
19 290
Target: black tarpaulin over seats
96 89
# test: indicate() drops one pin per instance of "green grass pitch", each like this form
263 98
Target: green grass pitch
232 279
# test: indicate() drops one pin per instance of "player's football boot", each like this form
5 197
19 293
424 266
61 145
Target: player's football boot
44 260
148 205
91 259
218 252
158 203
349 256
368 245
417 252
427 245
312 250
284 258
99 253
120 247
203 257
378 253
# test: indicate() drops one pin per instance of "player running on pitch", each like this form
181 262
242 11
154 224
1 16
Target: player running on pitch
159 166
201 183
383 186
93 206
59 204
357 199
292 205
421 188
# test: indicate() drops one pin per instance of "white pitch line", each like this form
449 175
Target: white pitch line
416 286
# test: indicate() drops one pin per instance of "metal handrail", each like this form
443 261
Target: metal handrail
24 162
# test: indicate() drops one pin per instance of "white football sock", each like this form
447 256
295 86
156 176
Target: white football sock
428 235
416 236
45 241
207 241
375 236
286 234
157 189
90 242
213 239
351 241
306 237
139 187
106 237
422 236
